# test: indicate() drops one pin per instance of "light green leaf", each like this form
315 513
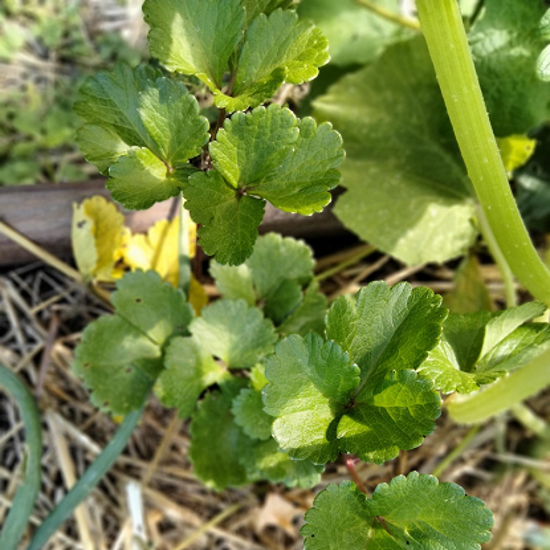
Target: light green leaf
152 305
189 370
253 8
311 382
195 37
248 409
271 154
141 129
229 221
234 281
410 196
139 179
506 43
356 35
263 460
397 414
387 328
217 443
120 356
277 48
257 377
309 316
234 332
411 512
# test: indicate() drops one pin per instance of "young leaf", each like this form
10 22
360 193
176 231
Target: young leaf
394 110
355 34
248 409
516 98
217 443
235 333
277 48
229 221
264 460
195 37
189 371
97 234
141 129
436 516
120 356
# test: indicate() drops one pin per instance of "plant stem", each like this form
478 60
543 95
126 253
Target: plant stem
498 256
389 15
350 465
444 31
456 452
101 465
531 421
366 251
23 503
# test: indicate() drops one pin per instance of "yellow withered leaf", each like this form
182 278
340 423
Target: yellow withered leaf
197 295
516 151
97 235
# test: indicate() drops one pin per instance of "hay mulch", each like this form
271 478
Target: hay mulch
151 499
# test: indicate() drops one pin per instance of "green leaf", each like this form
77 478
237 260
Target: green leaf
506 43
411 512
264 460
234 281
469 293
271 154
387 328
151 305
216 443
410 196
195 37
311 383
234 332
397 414
355 34
189 370
277 48
229 222
141 129
120 356
248 409
480 347
253 8
309 316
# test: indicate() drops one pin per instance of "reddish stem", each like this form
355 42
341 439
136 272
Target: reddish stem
351 461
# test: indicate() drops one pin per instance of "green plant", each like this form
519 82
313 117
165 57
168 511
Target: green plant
280 384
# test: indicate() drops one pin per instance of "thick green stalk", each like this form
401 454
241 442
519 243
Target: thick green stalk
444 31
23 503
101 465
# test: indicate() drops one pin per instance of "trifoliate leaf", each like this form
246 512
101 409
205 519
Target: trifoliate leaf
396 414
217 443
309 316
414 512
387 328
141 129
311 383
190 369
96 235
478 348
229 221
234 332
152 306
248 409
264 460
356 35
470 293
195 37
516 151
506 43
120 356
410 196
277 48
